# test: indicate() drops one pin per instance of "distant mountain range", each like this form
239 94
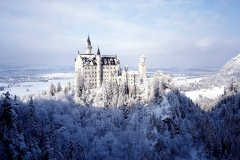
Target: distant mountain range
27 69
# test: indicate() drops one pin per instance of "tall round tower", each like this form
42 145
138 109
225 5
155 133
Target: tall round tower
88 46
142 67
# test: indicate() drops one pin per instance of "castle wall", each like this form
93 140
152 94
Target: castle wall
98 69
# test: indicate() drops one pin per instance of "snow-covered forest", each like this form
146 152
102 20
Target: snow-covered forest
155 121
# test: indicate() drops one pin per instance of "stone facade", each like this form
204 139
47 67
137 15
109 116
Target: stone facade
98 69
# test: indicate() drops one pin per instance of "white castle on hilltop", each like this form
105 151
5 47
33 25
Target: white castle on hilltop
98 69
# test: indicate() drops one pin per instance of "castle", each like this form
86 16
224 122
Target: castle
98 69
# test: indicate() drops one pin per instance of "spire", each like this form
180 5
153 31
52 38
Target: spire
88 41
88 46
98 51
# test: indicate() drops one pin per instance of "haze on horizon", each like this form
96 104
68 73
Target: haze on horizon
168 33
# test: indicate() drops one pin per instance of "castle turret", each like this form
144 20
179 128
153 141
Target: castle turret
99 73
88 46
142 67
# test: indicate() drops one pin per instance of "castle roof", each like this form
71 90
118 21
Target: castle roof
89 41
109 60
98 51
88 59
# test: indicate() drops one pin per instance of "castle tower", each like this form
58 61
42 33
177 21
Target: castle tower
99 64
142 67
88 46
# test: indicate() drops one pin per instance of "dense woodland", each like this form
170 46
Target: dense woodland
155 121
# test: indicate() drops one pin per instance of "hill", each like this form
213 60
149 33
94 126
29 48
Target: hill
231 69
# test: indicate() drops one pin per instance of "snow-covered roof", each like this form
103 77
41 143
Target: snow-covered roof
109 60
88 59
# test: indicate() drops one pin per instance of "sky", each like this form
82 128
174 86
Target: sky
170 33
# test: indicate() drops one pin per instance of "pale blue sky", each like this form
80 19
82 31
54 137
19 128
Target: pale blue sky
168 32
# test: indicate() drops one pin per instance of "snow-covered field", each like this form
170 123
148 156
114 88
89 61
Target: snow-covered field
59 75
194 95
186 80
25 88
209 93
31 87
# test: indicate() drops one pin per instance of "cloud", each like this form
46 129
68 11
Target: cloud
159 29
205 43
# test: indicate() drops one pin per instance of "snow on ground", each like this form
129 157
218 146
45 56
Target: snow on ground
31 87
194 95
186 80
209 93
59 75
3 84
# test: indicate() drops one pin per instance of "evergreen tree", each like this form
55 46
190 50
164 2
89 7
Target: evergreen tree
71 151
79 87
115 94
47 151
82 153
31 113
52 90
65 90
11 138
121 97
59 87
69 86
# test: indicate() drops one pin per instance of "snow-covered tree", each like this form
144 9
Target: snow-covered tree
70 150
12 141
47 151
59 87
79 86
115 93
31 113
52 90
69 86
122 94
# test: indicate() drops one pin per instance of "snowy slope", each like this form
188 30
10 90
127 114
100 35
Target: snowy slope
231 68
230 71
